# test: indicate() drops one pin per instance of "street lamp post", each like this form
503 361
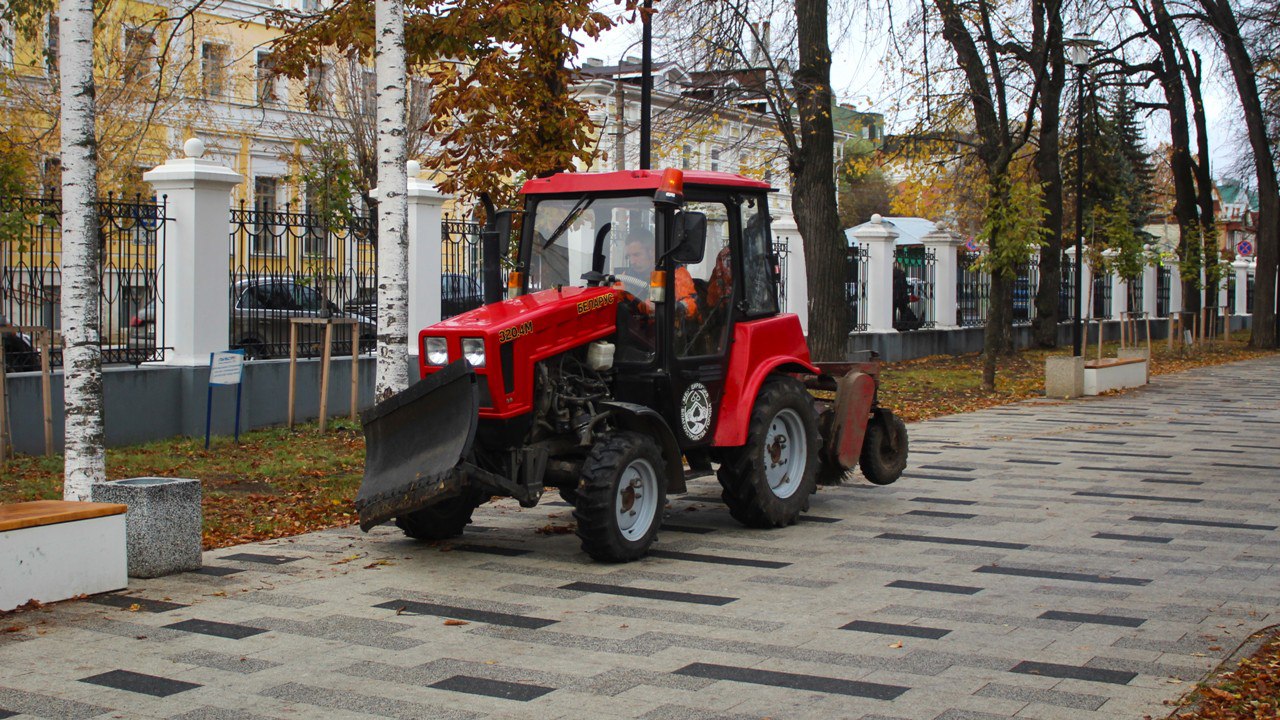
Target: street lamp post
646 82
1079 47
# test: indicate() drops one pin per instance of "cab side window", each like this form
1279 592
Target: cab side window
760 286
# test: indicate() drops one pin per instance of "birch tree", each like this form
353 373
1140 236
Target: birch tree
85 455
393 245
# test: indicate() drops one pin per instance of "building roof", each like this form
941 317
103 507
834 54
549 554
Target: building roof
911 230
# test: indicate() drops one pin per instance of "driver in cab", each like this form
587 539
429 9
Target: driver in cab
640 265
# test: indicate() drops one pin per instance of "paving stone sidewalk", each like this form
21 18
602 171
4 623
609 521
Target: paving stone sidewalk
1045 560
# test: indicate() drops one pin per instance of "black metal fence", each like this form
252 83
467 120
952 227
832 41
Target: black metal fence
462 265
1164 280
286 265
1100 305
1026 284
855 286
1134 287
973 291
782 251
919 267
131 235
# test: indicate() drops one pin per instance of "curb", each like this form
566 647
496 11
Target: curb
1245 649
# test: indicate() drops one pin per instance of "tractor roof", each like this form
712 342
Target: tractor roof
621 181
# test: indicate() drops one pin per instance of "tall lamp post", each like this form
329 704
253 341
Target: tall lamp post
646 82
1078 49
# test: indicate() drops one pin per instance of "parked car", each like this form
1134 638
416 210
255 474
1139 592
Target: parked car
19 354
261 309
458 294
142 326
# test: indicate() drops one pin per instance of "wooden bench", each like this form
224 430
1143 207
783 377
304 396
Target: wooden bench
52 550
1105 374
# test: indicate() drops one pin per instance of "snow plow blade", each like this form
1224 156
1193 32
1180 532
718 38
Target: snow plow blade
414 442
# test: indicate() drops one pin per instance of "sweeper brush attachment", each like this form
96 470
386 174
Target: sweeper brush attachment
415 442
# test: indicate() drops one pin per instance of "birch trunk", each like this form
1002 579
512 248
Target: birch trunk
85 456
393 245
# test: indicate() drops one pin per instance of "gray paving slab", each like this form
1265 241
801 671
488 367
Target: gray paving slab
1096 560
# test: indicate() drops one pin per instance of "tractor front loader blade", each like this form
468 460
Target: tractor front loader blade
414 443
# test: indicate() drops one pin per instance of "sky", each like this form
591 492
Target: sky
860 78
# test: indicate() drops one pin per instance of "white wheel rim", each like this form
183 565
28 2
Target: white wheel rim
636 503
785 453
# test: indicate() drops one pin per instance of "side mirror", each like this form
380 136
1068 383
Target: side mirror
690 237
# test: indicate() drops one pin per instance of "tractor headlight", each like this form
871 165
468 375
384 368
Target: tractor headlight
437 351
473 351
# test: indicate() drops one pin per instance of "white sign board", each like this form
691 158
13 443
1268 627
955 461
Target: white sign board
225 368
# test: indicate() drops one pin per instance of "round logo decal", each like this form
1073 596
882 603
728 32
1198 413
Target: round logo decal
695 411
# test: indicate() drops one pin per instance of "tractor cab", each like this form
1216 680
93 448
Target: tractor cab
691 256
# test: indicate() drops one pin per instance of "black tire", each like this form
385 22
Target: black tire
745 475
605 507
569 495
441 521
884 450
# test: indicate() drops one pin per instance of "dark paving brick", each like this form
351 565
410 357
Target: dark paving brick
1133 538
793 681
6 714
1092 618
1145 471
140 683
937 514
128 601
948 468
691 529
935 587
943 501
492 688
413 607
490 550
1022 461
880 628
923 476
217 629
1073 672
1200 523
651 594
718 559
1061 575
1082 441
260 559
817 519
1171 481
942 540
1134 496
217 570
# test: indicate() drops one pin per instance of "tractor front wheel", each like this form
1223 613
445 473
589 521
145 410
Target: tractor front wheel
768 481
884 449
441 521
620 497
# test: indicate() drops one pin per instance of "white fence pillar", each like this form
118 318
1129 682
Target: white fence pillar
946 276
426 206
1240 267
196 313
878 237
1175 286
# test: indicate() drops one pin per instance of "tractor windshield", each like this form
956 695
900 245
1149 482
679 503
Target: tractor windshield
575 235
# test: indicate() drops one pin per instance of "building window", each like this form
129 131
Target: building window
686 157
318 85
52 45
715 161
265 239
213 69
268 80
137 59
310 5
6 45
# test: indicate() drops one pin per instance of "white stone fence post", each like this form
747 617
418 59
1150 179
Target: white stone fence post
946 276
878 236
196 312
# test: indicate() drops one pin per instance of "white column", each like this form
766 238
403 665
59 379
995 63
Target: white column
878 238
946 275
426 205
196 314
1240 267
1175 286
1222 286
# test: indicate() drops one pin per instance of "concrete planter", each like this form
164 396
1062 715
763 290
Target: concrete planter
1063 376
163 523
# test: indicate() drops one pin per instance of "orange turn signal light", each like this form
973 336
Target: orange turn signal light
657 284
671 187
515 280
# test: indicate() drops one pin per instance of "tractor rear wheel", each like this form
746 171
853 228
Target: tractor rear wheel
621 497
441 521
768 481
884 449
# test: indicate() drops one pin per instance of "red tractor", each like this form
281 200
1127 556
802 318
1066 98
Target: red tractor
640 344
